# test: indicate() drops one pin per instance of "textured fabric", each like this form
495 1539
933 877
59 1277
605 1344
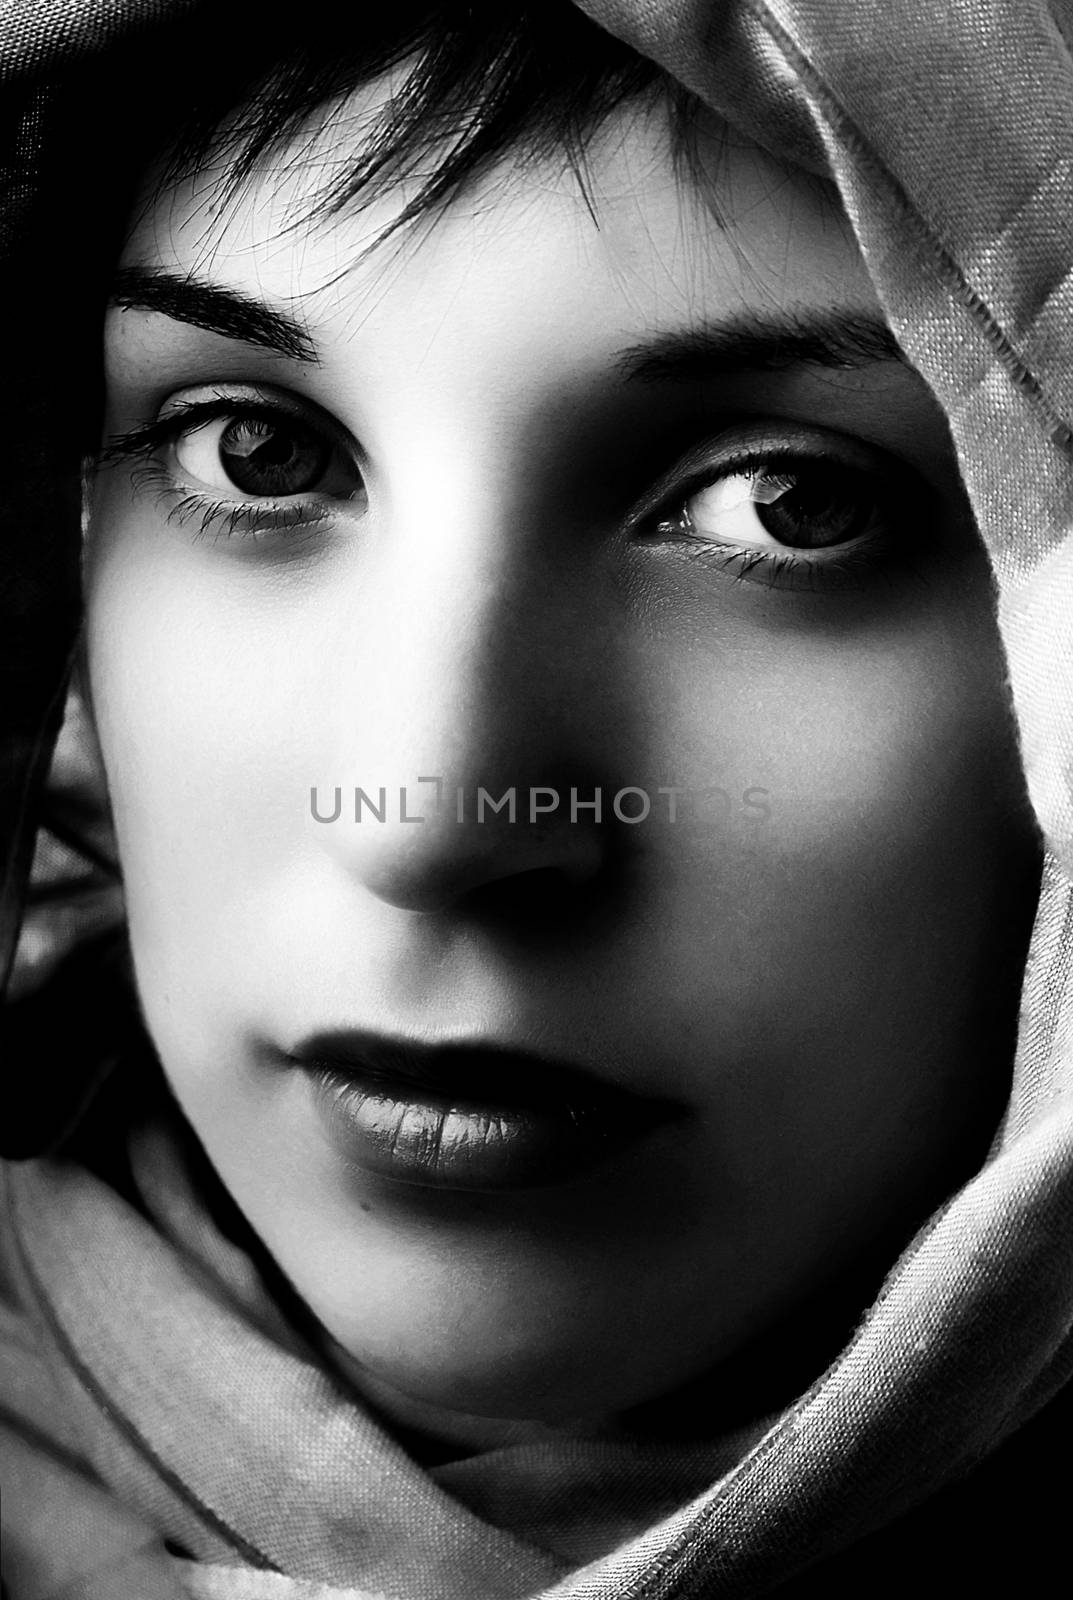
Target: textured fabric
948 129
203 1582
304 1481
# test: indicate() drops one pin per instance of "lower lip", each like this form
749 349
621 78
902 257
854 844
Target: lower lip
396 1131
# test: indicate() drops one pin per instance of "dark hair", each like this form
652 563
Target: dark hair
476 80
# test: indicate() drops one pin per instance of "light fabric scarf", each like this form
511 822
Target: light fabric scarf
948 129
221 1424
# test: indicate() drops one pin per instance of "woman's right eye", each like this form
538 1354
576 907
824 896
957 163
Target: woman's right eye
260 453
249 461
260 456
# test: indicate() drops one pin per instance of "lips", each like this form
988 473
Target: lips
467 1115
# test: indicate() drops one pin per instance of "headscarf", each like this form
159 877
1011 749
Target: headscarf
947 128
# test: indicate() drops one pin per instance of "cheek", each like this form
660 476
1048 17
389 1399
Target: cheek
861 736
200 715
853 849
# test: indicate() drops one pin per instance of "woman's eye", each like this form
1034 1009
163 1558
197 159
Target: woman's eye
260 455
256 462
797 505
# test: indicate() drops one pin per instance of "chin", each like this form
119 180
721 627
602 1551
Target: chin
540 1352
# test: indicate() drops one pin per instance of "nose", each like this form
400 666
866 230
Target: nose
468 716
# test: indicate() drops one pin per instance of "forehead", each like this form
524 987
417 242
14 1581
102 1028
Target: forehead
638 238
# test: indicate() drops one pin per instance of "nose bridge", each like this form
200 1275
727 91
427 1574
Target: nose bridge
461 622
460 705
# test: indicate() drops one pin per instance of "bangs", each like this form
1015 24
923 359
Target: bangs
471 82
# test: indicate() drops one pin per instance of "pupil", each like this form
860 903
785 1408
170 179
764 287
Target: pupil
262 457
816 507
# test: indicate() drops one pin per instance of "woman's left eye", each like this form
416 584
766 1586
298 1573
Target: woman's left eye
790 506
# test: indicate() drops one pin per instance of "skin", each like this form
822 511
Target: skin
819 982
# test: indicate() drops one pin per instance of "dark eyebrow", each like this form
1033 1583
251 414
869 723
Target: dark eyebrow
217 310
754 343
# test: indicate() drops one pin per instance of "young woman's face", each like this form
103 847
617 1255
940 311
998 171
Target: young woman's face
545 1114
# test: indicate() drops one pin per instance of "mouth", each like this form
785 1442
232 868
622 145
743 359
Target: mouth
466 1115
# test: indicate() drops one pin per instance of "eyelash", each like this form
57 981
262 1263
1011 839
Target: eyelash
259 518
242 519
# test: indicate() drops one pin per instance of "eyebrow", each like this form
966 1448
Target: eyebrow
215 309
745 342
749 342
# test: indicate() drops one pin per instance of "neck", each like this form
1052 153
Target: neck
434 1433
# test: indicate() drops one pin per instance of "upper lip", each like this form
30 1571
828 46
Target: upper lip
478 1071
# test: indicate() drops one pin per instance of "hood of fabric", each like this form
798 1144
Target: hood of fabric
948 131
